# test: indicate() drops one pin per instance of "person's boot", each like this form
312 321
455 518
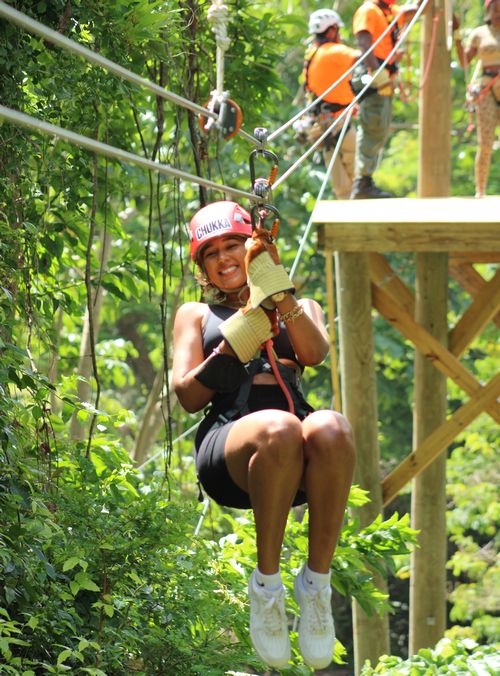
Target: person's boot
364 189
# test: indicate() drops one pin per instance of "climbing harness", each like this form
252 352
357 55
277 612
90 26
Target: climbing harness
320 98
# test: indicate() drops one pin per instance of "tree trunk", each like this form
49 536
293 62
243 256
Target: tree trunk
428 573
155 412
359 396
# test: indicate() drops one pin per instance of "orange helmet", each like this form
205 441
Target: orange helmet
214 220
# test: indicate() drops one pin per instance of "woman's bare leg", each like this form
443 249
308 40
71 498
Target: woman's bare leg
264 457
329 468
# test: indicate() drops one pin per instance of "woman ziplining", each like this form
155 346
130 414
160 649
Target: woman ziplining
252 450
484 92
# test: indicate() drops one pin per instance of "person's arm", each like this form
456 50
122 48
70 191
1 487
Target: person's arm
189 359
196 378
465 56
365 41
306 329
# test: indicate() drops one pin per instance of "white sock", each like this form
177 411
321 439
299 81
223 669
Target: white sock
270 582
314 580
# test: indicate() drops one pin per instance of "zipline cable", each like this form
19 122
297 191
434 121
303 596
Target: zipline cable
287 124
346 110
117 153
33 26
175 441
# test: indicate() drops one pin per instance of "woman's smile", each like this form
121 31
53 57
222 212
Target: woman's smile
223 260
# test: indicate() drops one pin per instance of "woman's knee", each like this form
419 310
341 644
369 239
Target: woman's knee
280 437
330 436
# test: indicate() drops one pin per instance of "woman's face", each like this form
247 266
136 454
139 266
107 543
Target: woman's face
494 12
223 260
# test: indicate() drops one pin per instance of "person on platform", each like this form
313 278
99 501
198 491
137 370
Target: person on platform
326 60
261 446
370 21
483 44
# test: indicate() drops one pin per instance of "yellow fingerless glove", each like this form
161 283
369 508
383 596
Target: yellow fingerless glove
266 278
382 82
245 331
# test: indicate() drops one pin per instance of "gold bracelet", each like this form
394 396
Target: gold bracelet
293 314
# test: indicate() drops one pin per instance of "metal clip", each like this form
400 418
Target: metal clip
260 212
262 186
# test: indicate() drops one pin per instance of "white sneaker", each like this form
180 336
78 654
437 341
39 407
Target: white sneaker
316 628
268 624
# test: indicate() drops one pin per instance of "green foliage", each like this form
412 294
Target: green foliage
104 573
448 657
99 571
472 523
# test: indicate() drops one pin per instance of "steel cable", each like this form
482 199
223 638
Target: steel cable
33 26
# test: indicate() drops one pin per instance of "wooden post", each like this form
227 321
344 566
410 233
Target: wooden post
359 398
428 572
332 334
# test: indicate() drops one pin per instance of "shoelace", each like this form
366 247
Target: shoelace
318 603
273 614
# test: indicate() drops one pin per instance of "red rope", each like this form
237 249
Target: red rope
277 374
406 95
431 51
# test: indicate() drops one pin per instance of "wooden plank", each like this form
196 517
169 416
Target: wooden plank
484 306
332 334
429 346
401 224
438 440
469 278
475 256
382 274
421 237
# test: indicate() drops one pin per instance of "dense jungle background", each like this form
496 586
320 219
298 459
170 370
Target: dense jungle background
105 564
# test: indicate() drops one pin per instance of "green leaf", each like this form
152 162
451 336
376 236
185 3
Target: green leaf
71 563
63 655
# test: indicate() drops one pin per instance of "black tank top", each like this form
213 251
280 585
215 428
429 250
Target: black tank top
212 335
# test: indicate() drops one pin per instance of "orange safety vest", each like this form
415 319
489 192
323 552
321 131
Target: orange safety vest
374 19
324 64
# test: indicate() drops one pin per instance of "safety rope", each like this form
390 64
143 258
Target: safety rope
363 56
117 153
175 441
217 15
346 110
406 98
33 26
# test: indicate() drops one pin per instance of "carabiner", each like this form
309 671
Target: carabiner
261 212
261 186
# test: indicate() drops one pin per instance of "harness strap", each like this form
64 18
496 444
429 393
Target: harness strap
487 88
259 365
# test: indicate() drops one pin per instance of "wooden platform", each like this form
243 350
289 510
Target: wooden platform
410 224
468 230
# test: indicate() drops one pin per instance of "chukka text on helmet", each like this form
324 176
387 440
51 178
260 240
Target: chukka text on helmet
216 219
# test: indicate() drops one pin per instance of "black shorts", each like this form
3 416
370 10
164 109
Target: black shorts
211 441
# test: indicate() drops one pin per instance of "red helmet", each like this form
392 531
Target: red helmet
214 220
